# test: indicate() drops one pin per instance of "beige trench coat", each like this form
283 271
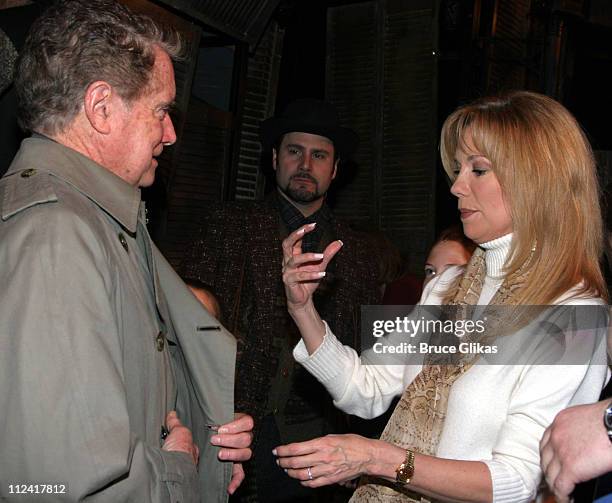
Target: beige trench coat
99 339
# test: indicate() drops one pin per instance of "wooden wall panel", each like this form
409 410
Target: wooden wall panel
508 67
382 74
248 181
242 19
353 74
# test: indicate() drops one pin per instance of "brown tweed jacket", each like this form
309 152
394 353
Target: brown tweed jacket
238 254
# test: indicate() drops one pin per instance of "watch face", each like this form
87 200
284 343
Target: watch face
608 417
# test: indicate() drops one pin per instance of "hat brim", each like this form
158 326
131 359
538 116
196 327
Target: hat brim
345 140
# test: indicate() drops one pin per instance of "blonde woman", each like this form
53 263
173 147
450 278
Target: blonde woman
524 177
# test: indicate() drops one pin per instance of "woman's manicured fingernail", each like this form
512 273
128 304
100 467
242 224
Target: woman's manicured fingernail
321 274
341 243
318 256
274 452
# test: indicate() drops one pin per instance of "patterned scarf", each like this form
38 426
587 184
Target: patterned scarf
418 419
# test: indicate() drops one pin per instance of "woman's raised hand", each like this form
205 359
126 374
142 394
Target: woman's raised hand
302 272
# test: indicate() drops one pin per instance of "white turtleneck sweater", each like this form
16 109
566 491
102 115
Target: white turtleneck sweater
496 413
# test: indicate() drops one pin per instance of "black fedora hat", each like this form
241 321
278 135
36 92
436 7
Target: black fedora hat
313 116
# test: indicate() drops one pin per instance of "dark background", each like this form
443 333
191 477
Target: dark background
395 68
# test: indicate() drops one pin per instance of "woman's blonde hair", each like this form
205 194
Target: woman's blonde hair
546 170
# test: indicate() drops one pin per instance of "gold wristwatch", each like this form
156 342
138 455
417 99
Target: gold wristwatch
405 471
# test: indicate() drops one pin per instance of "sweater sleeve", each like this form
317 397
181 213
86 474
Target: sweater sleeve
356 387
540 394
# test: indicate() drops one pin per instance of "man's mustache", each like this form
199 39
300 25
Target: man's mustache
304 176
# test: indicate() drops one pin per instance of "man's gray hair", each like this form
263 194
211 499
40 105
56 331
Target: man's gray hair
77 42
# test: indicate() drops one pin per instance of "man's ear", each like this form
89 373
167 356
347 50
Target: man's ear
98 104
335 168
274 159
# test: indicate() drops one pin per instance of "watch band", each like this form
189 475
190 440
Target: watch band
607 420
405 471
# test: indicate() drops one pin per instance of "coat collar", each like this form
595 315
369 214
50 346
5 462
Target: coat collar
115 196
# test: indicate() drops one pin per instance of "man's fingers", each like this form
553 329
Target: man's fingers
233 440
172 420
237 478
237 455
546 455
243 422
180 439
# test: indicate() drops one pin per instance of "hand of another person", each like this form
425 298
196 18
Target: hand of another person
302 272
179 438
235 438
575 448
327 460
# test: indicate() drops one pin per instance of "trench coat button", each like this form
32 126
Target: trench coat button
160 341
28 173
123 241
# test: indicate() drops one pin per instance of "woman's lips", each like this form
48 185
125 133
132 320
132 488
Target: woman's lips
466 213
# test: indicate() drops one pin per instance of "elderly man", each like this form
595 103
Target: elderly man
100 341
239 252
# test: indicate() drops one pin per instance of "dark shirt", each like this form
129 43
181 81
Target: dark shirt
293 219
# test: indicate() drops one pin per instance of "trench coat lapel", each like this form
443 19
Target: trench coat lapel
204 368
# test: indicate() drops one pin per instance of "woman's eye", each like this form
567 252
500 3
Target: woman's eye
430 271
479 171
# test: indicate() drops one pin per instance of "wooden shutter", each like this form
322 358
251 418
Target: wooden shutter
258 104
382 74
198 182
507 68
352 80
243 20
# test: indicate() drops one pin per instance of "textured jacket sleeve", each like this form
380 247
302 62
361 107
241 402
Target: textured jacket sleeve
215 256
218 258
62 395
199 260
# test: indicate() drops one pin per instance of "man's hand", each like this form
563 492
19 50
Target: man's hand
575 448
235 438
179 438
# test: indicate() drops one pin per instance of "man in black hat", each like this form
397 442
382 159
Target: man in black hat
238 255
